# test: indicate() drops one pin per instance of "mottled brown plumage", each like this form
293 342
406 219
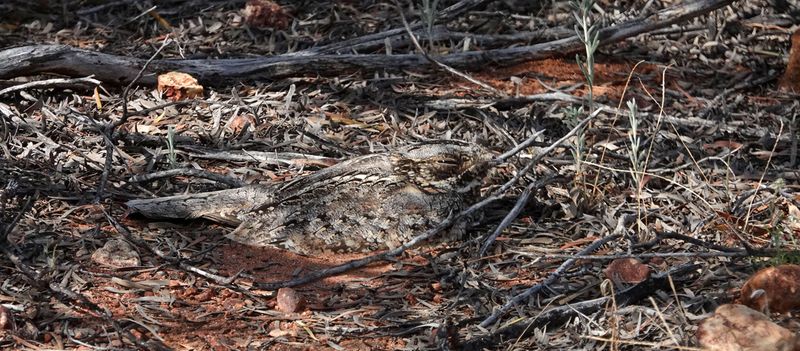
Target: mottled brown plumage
367 203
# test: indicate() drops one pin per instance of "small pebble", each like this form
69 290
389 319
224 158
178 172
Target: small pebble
289 301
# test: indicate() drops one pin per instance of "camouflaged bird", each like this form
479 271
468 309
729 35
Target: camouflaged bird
367 203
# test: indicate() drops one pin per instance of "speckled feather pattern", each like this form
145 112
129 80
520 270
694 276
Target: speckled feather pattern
367 203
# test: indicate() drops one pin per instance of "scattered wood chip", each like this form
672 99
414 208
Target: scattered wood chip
289 301
276 333
627 270
240 122
179 86
773 289
116 254
265 14
737 327
6 319
718 145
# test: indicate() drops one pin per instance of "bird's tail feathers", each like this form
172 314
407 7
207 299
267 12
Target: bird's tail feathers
222 205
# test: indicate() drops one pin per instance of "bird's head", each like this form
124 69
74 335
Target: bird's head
442 166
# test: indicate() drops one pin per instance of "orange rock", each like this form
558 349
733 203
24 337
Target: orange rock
790 82
739 328
773 289
179 86
627 270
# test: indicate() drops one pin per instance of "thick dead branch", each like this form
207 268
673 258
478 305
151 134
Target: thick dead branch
66 60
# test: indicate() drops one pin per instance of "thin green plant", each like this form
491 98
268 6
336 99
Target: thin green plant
587 32
171 156
636 155
572 117
634 151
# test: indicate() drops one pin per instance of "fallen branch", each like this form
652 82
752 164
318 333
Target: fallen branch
61 59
